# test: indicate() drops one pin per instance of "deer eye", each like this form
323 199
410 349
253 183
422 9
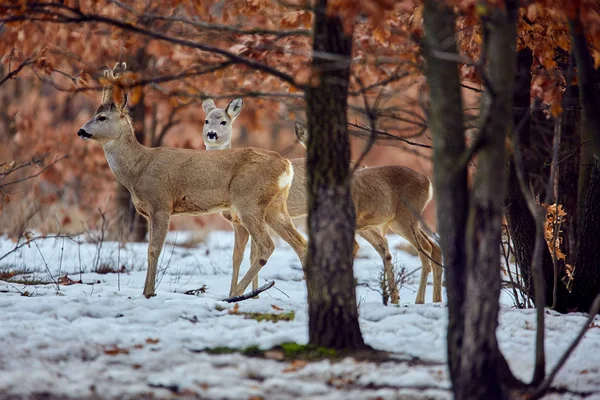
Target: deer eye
101 118
206 121
223 122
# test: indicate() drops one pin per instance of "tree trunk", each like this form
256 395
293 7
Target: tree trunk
332 308
449 176
587 78
481 355
521 223
132 226
538 153
586 276
568 172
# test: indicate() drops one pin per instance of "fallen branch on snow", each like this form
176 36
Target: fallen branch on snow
250 295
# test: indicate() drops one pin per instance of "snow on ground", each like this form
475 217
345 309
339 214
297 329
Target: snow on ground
102 339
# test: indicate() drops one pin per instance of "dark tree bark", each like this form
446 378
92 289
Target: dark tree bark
521 223
133 226
587 79
332 308
481 356
568 173
449 176
586 276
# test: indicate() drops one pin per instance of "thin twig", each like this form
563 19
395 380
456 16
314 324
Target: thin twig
545 385
279 290
47 268
32 240
372 116
34 175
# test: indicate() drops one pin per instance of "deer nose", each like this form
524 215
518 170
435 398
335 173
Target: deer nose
83 134
212 135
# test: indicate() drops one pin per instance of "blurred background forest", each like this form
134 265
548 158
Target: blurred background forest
56 80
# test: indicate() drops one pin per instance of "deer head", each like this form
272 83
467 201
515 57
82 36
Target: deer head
111 119
301 131
217 127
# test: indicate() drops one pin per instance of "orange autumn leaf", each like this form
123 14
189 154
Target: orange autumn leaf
136 95
115 350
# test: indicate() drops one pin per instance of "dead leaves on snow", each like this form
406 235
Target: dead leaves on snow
115 350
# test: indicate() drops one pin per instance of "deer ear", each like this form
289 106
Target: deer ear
234 108
124 104
301 131
208 105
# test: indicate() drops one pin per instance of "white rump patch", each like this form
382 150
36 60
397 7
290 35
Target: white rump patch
286 178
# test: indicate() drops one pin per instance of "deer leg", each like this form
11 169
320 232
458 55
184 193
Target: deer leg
240 240
253 259
425 255
379 242
355 249
263 248
409 231
279 220
159 226
436 266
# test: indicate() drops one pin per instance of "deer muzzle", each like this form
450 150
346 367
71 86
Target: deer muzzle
83 134
212 136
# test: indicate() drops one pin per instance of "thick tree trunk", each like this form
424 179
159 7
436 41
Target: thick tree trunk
587 79
133 226
332 308
449 176
586 276
481 355
521 223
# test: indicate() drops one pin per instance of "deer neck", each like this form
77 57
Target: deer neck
223 147
126 158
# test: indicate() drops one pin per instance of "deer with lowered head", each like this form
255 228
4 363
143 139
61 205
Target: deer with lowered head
386 197
166 181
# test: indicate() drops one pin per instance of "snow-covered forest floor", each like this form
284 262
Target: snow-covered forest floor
102 339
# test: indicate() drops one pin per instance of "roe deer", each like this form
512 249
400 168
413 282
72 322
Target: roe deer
394 197
166 181
385 197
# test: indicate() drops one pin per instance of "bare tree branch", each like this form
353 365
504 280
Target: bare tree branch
251 294
62 14
545 385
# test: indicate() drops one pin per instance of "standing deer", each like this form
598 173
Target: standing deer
385 197
166 181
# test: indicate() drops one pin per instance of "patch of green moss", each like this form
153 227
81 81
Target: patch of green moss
253 351
288 316
221 350
294 350
288 351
